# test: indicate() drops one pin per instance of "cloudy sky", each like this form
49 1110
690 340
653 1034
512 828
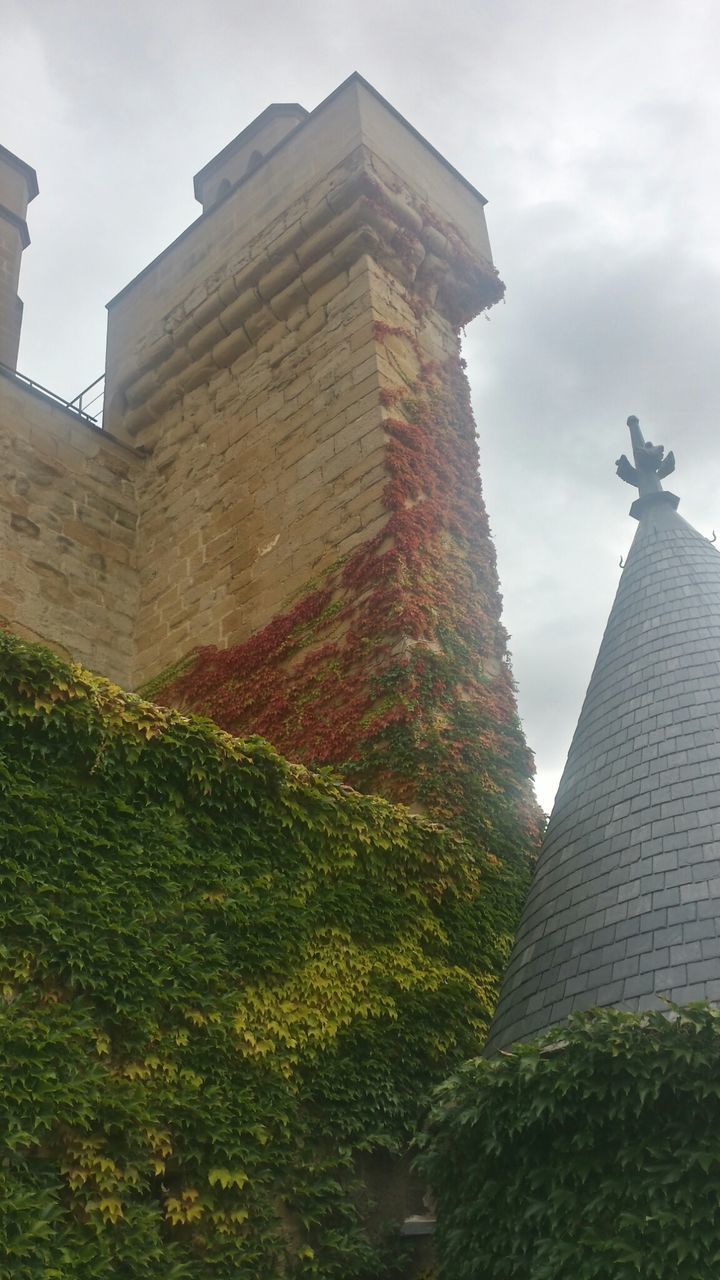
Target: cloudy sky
592 126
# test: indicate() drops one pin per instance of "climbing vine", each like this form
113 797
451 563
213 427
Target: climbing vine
590 1154
226 983
393 668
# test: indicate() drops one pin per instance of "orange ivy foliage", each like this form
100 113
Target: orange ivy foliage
393 669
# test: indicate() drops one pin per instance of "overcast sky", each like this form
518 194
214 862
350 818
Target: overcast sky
593 128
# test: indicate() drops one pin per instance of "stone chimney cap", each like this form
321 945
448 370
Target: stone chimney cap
293 111
26 170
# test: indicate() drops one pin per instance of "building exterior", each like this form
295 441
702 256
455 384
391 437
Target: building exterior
280 524
624 909
243 443
288 445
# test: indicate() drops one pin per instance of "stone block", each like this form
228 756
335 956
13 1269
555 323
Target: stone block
326 292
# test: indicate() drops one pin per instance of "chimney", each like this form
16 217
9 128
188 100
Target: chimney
18 186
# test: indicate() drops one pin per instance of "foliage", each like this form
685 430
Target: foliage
592 1154
393 667
223 979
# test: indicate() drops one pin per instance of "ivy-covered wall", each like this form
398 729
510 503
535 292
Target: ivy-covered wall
225 980
591 1154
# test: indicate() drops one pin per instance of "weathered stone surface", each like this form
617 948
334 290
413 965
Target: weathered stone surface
18 186
246 373
68 573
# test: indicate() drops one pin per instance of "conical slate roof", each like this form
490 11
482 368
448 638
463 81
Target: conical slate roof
625 901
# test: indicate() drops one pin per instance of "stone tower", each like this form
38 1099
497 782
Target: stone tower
625 903
18 186
252 361
281 524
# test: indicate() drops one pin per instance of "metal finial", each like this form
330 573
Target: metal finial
651 465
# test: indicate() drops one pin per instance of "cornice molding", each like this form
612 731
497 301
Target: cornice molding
19 224
361 215
27 171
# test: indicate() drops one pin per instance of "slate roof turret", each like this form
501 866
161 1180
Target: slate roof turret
625 902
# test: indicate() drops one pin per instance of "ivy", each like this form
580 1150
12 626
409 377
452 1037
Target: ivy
392 668
590 1154
226 984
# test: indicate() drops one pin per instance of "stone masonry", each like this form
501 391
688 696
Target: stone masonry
68 573
18 186
244 449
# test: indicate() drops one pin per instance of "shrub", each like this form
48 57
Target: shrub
591 1154
224 979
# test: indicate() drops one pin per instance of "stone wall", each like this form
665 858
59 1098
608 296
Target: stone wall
249 386
245 361
67 534
262 476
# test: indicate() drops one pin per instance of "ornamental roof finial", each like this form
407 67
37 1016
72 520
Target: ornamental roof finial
651 466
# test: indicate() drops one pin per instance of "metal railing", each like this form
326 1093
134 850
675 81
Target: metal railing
91 405
85 406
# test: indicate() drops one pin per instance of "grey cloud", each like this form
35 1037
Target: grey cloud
588 336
